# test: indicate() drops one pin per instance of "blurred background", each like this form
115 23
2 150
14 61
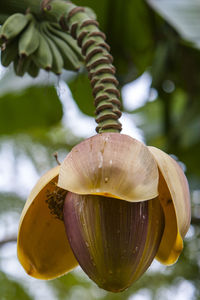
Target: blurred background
155 45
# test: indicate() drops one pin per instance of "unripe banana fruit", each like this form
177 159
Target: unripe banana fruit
29 39
21 65
13 26
70 60
9 53
66 37
58 62
43 57
32 69
43 44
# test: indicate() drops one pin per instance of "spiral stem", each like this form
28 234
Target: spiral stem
98 61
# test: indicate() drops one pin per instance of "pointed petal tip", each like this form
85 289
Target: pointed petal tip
168 256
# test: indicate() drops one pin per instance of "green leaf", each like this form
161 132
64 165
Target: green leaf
82 93
183 15
29 109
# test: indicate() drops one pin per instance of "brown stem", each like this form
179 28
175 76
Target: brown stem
55 154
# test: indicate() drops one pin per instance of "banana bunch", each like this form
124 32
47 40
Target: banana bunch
32 45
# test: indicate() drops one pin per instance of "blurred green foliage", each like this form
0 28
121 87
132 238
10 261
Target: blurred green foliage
31 108
162 40
81 86
11 289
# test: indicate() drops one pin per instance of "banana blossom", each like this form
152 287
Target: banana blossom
123 204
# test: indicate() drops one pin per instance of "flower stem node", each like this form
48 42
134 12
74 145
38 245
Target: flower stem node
123 204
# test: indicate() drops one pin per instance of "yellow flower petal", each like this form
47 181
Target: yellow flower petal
42 245
175 200
113 165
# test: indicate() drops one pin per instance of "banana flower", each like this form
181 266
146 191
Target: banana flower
111 207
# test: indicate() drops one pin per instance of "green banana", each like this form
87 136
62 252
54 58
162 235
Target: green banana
21 65
29 39
58 62
55 29
9 54
13 26
33 70
71 62
43 57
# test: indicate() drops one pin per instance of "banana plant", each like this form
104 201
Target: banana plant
114 204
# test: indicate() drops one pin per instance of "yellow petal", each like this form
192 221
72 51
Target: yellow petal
175 200
42 246
110 164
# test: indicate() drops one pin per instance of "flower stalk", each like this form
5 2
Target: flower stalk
97 58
